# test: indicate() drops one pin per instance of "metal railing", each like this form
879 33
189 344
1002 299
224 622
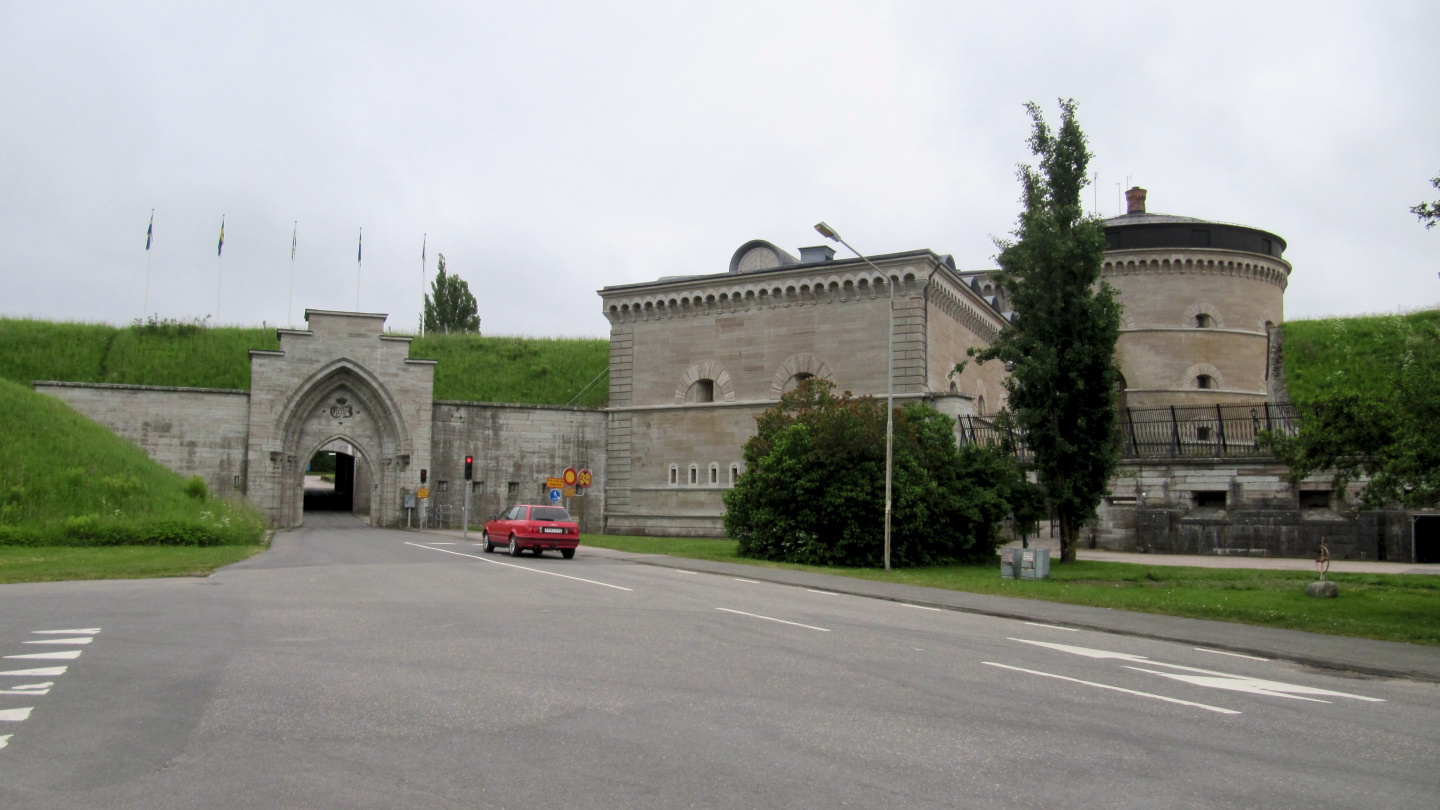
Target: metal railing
1206 431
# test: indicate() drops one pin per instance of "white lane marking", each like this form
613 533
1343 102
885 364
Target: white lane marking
520 567
678 571
68 655
1240 683
28 686
773 619
89 631
827 593
80 640
24 692
917 607
1054 626
1226 682
1115 688
1232 655
444 544
37 672
5 739
751 581
16 715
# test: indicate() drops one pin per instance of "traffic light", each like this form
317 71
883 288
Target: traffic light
423 471
469 466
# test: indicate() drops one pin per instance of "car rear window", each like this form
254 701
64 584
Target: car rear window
549 513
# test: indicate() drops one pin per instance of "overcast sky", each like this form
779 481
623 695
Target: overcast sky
550 149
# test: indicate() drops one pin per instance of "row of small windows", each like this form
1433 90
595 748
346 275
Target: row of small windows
712 475
704 390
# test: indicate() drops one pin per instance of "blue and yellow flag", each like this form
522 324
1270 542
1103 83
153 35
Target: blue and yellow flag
295 232
220 248
150 231
360 247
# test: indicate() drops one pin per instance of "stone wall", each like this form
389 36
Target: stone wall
193 431
1242 507
515 447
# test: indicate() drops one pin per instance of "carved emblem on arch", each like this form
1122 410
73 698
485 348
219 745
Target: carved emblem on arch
804 363
706 370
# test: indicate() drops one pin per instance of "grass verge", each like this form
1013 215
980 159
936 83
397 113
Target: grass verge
57 564
1389 607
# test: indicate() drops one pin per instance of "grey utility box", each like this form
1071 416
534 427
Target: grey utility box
1009 562
1034 563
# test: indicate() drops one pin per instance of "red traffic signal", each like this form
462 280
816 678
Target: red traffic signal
469 467
423 473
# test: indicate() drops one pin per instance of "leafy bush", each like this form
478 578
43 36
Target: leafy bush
813 490
195 488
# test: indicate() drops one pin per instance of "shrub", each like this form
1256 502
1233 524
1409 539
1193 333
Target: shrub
813 490
195 488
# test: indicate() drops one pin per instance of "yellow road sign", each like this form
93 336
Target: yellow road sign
554 483
422 492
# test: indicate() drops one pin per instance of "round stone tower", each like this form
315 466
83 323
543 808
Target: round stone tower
1201 301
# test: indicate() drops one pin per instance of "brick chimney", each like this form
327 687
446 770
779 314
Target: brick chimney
1135 200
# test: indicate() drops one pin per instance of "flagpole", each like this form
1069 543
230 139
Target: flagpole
423 239
220 262
290 305
149 233
359 263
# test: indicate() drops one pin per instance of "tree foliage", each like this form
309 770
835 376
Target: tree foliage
1392 439
813 490
450 307
1428 212
1066 323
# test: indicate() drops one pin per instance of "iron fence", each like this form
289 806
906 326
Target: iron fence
1207 431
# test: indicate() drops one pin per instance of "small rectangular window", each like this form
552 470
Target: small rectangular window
477 487
714 474
674 475
512 489
1210 500
1319 499
694 474
444 485
734 473
1202 434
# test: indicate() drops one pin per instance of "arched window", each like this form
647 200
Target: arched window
980 406
674 474
1204 321
734 473
795 380
1204 381
694 475
701 391
714 474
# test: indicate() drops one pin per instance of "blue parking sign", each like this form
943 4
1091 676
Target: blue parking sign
554 496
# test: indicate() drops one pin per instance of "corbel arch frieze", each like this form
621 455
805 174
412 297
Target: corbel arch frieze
706 370
804 363
1199 264
759 293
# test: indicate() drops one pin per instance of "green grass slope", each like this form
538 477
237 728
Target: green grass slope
65 480
535 371
1359 356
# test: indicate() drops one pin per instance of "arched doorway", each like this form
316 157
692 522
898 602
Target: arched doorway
337 479
343 410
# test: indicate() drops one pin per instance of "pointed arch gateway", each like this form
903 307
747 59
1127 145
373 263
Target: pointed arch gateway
343 401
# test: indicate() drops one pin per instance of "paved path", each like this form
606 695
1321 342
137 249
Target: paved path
355 668
1258 563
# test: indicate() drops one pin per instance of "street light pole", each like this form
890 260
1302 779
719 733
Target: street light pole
830 233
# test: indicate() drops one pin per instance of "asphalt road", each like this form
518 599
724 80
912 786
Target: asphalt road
350 667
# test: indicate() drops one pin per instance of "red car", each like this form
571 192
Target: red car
534 527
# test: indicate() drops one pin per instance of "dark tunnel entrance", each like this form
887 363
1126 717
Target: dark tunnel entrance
330 482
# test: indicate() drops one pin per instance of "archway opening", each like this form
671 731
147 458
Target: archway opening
330 482
796 380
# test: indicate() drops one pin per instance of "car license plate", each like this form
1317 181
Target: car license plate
552 530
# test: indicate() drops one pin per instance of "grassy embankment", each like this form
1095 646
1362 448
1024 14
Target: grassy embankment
1390 607
76 501
534 371
1360 355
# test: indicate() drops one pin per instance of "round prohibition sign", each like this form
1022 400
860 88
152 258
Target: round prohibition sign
569 476
584 479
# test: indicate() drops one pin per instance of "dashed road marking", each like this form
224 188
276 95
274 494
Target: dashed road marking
917 607
519 567
29 689
773 619
5 739
16 715
1232 655
80 640
751 581
1054 626
1204 706
827 593
67 655
32 673
90 631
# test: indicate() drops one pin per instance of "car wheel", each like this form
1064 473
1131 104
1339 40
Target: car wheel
514 547
567 553
485 544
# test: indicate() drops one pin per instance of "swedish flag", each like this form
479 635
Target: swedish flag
150 231
220 248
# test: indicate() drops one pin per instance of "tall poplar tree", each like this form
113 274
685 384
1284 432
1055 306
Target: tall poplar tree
1062 337
450 307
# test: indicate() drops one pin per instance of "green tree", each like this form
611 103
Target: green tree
1392 440
813 490
1429 213
1061 340
450 307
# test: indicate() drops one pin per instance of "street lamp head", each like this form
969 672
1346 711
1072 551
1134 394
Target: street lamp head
827 232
